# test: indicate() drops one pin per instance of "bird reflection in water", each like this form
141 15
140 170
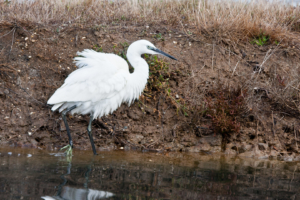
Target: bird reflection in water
70 193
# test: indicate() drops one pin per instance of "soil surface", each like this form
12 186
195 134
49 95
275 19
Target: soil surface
35 61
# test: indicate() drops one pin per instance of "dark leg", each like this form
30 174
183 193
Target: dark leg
66 124
89 129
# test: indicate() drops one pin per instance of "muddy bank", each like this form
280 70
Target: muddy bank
172 113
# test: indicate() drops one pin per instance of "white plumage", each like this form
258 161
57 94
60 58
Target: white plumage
102 81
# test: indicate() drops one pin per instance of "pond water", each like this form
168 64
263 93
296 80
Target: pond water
33 174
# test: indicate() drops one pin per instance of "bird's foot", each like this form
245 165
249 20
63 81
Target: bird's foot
68 151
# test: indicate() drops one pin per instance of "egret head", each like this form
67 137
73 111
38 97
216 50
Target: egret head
146 47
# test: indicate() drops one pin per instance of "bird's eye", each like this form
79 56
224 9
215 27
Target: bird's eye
148 47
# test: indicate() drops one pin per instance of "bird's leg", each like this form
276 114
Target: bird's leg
70 145
89 129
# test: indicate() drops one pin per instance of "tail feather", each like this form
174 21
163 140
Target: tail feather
56 106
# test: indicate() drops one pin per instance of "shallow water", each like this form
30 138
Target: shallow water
33 174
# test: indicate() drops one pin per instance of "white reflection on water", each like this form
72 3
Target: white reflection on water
70 193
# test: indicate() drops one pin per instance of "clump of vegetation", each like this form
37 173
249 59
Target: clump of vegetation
260 40
158 74
158 82
158 36
224 106
97 48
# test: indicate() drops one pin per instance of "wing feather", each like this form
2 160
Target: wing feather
99 76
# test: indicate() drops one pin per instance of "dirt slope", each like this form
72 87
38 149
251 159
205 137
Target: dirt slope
35 61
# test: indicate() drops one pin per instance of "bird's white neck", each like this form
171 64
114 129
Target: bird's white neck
138 79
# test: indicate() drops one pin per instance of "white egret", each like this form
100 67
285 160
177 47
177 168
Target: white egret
102 83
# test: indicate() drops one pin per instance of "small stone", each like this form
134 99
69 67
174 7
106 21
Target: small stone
248 154
230 152
174 42
288 158
26 38
136 138
263 146
29 133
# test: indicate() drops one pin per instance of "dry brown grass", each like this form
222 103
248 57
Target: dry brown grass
229 19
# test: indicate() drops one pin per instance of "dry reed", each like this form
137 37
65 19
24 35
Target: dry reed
236 20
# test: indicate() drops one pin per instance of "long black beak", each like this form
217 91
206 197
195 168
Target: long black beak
163 53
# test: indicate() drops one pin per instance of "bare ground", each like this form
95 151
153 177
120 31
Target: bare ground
35 61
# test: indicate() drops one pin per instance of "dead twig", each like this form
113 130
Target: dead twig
12 41
8 32
212 59
235 68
